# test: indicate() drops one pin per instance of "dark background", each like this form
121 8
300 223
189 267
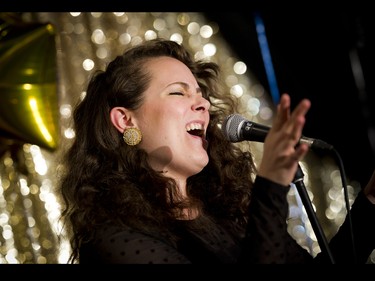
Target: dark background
310 48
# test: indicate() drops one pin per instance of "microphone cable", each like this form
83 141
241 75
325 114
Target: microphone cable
346 196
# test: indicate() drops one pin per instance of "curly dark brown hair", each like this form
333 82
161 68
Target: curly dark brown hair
107 181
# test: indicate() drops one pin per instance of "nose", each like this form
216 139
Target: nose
201 104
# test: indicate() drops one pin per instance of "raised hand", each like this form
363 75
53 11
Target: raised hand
281 153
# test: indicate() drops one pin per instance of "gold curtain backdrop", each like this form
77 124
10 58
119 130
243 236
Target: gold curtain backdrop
35 118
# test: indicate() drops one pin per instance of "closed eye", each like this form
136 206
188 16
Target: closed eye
177 93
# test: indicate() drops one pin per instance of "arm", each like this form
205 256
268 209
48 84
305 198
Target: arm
279 165
267 239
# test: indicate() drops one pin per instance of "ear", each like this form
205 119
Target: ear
121 118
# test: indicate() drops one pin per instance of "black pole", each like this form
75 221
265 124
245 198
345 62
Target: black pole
322 240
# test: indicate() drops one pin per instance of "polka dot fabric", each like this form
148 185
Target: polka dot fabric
264 241
129 247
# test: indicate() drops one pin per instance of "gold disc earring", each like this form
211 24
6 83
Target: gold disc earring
132 136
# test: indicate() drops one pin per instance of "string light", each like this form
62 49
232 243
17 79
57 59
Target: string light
29 202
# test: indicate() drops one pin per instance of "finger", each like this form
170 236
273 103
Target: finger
300 151
297 155
283 111
295 127
296 122
302 108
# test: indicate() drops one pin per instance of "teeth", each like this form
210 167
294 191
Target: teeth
194 126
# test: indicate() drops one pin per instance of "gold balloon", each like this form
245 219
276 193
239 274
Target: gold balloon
28 91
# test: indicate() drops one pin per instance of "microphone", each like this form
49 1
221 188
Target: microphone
236 129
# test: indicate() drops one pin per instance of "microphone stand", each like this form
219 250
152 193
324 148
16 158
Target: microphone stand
322 240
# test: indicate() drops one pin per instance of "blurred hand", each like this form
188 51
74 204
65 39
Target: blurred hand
281 154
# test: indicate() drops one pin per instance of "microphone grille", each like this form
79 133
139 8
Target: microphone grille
231 127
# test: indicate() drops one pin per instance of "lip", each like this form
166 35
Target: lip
202 139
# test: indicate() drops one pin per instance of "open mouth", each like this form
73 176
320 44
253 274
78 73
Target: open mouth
196 132
195 129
